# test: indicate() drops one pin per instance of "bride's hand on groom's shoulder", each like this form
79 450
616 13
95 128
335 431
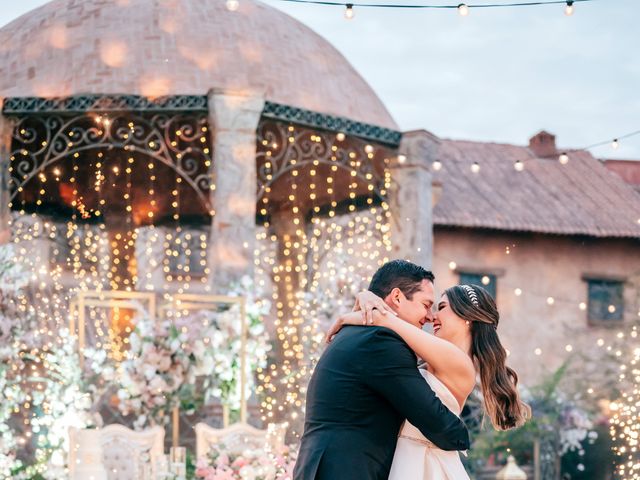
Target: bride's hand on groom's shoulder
352 318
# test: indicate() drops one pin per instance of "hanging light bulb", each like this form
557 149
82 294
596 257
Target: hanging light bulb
232 5
615 144
349 13
519 166
563 158
475 168
568 10
463 9
402 159
437 165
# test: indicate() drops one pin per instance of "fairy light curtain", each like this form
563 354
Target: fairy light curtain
323 229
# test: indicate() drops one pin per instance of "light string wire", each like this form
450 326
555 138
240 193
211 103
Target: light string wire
519 162
616 139
443 7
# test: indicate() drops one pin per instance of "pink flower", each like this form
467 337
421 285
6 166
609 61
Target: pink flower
204 471
223 460
239 462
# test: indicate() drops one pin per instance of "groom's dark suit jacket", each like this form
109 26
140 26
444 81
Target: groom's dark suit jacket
364 386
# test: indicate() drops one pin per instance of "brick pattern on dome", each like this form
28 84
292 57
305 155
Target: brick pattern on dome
164 47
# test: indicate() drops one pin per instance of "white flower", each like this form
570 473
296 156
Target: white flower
247 473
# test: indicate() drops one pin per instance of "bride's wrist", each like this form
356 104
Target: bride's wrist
386 319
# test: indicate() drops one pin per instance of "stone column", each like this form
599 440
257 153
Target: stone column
6 134
410 198
233 118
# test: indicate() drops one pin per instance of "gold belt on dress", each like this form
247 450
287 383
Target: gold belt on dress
421 441
427 443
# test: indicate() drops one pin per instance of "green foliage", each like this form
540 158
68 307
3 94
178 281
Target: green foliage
555 421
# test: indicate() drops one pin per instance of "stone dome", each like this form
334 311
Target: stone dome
171 47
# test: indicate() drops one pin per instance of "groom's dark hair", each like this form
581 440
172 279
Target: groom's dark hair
400 274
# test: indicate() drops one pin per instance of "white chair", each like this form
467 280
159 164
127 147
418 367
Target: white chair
126 454
238 437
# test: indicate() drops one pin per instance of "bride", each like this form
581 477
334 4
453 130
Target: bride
464 344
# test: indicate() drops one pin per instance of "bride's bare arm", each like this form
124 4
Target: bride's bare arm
442 356
353 318
446 359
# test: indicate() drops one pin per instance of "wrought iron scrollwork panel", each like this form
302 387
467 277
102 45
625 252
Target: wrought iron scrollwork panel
173 139
283 148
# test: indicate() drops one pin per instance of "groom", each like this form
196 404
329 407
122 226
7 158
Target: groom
367 383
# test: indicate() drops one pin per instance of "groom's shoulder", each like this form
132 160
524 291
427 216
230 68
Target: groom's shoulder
364 336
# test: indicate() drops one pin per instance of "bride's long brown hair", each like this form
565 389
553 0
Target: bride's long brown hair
498 382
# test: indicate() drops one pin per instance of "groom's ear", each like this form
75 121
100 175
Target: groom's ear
395 297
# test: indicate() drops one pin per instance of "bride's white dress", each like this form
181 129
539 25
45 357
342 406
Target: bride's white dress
416 458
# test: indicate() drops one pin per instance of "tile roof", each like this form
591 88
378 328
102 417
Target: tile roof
582 197
628 170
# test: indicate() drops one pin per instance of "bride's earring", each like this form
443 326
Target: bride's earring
468 323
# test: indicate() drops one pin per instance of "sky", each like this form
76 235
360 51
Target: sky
496 75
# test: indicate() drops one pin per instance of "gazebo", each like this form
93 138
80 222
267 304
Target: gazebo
174 146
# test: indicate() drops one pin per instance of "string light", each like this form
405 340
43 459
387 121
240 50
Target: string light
462 7
349 13
232 5
475 168
563 158
568 10
463 10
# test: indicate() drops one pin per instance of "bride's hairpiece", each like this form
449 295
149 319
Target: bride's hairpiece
471 293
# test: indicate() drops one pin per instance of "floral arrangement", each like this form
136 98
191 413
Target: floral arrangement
221 356
156 370
168 360
42 388
250 464
13 276
11 395
58 399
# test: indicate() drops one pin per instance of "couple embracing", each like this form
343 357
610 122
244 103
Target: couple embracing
385 398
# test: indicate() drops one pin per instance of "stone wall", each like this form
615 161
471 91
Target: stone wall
541 266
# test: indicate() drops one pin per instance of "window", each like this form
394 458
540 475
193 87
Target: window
188 253
484 280
605 300
80 248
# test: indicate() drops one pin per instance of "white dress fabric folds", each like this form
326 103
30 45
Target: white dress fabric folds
416 458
